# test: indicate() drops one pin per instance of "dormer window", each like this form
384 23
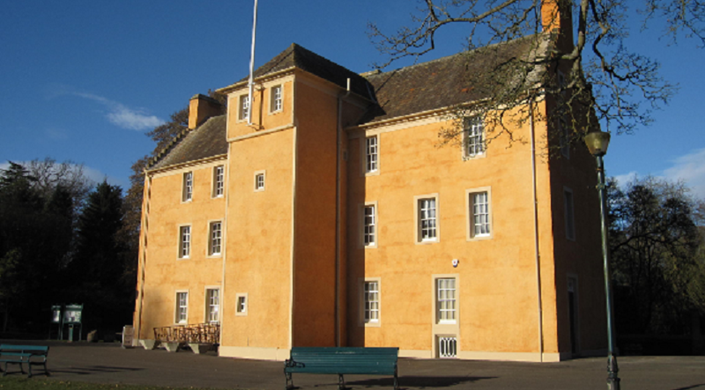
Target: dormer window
244 107
276 99
474 135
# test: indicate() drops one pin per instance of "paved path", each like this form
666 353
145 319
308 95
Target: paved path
108 363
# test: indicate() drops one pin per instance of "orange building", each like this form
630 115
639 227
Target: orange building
321 212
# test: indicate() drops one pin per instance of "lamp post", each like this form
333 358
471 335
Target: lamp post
597 143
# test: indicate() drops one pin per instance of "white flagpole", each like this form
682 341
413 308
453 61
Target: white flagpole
252 67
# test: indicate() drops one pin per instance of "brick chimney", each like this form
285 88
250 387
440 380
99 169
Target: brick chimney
556 16
200 108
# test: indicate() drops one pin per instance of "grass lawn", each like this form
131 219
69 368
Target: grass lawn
24 383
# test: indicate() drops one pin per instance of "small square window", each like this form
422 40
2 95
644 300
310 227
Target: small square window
474 134
244 105
259 181
276 103
218 181
187 188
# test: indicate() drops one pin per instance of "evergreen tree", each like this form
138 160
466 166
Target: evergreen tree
97 268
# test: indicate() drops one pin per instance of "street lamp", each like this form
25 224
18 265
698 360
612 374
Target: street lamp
597 143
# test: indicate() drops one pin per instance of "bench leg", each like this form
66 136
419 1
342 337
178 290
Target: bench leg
289 381
341 382
396 380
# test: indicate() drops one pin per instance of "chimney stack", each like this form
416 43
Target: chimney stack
556 17
200 108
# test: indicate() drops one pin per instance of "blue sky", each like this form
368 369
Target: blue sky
84 80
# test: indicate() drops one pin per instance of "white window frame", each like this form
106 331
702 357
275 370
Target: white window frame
241 303
187 187
424 215
215 238
471 208
260 185
243 107
370 154
474 143
212 305
369 225
276 99
218 181
446 297
179 305
370 309
184 241
569 212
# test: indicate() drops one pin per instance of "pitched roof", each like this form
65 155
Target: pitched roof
207 140
304 59
441 83
414 89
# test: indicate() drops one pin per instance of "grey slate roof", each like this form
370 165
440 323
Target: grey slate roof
207 140
419 88
304 59
440 83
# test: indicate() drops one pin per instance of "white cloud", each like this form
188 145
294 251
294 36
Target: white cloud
690 169
118 113
625 179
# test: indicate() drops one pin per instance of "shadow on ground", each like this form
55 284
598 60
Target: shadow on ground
95 369
419 381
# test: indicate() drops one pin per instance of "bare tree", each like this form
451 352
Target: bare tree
49 175
593 76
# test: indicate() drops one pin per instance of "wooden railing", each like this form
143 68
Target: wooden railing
192 333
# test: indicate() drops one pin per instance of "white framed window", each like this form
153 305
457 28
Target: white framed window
181 316
184 241
445 301
215 238
187 187
447 346
212 305
427 228
369 225
474 138
479 213
260 177
371 301
241 304
244 107
569 214
276 98
218 181
372 154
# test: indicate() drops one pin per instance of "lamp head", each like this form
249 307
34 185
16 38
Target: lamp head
597 142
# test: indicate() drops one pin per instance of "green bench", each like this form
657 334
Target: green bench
341 361
20 354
